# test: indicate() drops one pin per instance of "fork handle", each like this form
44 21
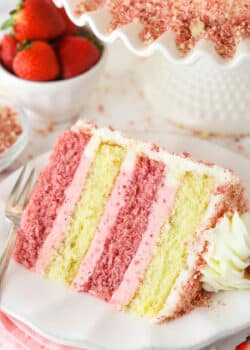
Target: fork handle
6 256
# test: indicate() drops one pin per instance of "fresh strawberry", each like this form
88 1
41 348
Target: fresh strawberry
245 345
8 51
35 20
37 61
71 28
76 55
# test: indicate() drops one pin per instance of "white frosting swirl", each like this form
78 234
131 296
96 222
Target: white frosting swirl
228 254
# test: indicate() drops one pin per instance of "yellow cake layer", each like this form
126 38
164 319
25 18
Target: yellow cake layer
87 214
170 253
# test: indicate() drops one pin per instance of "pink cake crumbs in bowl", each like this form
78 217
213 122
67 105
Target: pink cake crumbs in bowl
10 128
13 132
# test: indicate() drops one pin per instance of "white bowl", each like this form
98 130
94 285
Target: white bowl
12 153
55 101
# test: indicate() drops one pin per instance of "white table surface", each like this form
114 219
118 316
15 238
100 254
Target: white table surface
118 101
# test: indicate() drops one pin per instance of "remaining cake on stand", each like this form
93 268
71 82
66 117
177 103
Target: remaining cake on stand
135 225
224 22
198 69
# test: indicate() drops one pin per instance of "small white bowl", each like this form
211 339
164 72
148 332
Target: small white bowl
55 101
10 154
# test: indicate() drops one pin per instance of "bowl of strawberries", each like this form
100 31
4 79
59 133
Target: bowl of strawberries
47 64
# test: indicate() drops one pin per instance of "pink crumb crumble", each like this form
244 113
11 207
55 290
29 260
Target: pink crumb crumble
224 22
46 130
10 128
101 108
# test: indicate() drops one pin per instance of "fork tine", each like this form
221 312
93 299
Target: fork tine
22 198
31 186
14 192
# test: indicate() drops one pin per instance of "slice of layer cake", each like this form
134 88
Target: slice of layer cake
128 222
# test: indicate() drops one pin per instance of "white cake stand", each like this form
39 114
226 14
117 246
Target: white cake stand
201 91
200 96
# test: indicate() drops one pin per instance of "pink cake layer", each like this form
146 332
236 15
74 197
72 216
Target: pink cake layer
48 196
115 203
136 270
53 242
130 225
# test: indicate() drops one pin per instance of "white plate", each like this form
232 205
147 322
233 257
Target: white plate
81 320
100 20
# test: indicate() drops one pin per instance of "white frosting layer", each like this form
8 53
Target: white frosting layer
228 255
178 167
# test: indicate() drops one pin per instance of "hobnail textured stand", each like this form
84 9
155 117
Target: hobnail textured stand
202 91
201 96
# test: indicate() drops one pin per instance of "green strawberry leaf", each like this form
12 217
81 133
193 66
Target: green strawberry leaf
19 6
248 339
9 23
24 45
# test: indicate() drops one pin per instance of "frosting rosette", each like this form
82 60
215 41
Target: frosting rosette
228 255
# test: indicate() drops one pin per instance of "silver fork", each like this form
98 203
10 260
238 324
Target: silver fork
13 211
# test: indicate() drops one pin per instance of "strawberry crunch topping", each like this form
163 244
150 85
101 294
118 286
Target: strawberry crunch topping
224 22
10 129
